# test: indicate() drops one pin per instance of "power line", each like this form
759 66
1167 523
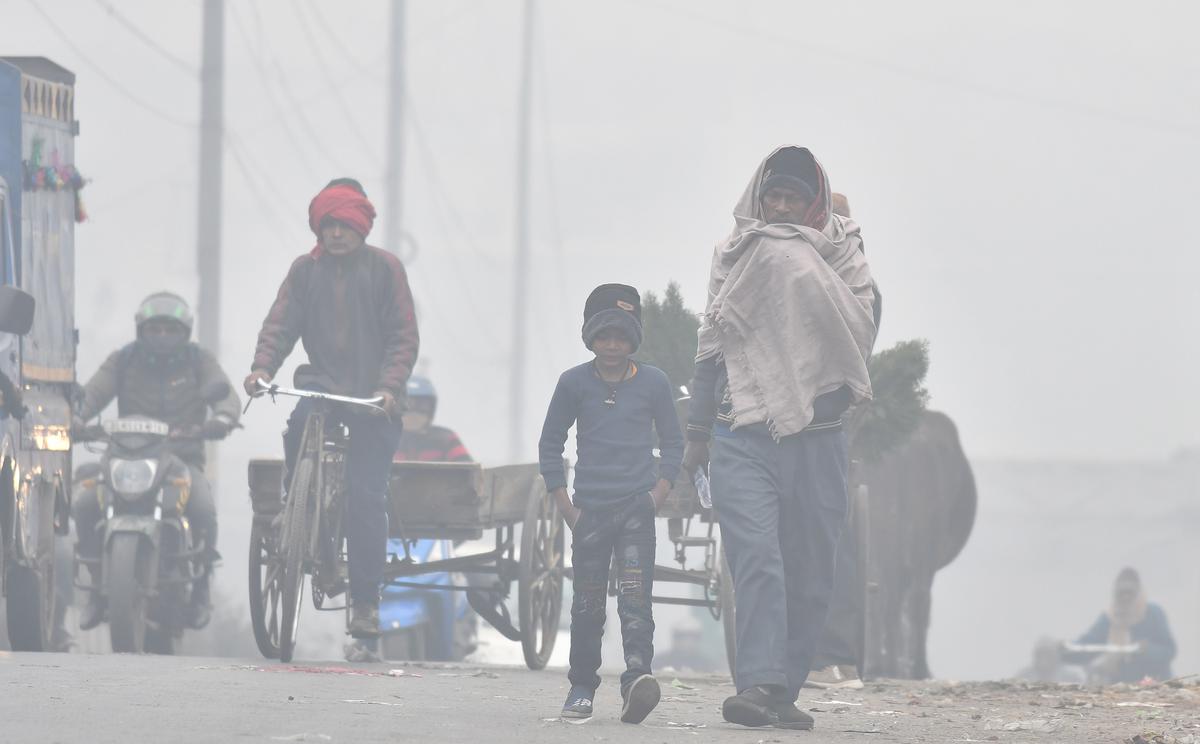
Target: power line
280 115
438 188
447 208
244 162
147 40
290 97
924 76
336 90
322 24
373 69
100 73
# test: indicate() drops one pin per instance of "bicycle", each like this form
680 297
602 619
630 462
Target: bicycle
305 536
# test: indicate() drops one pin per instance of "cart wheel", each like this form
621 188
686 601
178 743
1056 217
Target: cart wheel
266 581
540 588
728 612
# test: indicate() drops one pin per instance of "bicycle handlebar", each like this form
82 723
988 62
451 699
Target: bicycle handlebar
271 389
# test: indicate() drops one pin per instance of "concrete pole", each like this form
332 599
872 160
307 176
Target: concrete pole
520 298
208 218
208 222
394 175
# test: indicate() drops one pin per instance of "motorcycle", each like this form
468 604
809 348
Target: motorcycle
150 558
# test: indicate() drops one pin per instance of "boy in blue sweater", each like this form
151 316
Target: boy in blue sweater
617 407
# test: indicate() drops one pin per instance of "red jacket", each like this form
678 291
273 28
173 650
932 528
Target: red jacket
354 315
433 444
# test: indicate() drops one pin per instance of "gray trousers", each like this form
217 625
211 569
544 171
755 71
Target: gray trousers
841 640
781 507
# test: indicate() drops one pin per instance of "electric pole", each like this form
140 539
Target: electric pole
208 217
394 175
520 297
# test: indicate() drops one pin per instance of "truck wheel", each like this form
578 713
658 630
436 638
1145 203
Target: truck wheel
128 567
29 609
160 641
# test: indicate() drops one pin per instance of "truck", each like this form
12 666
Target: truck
39 206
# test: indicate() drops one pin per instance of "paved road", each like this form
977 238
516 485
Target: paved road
106 698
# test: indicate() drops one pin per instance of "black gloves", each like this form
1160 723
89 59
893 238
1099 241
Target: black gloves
215 428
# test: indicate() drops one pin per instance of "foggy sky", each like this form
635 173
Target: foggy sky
1024 174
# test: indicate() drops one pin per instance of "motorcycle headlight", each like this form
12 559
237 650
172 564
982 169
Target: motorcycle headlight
132 477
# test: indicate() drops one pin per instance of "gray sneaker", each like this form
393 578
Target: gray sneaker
579 703
364 620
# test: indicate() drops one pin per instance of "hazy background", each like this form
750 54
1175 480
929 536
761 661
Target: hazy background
1024 172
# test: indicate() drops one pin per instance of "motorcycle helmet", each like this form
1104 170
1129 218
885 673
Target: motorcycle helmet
165 306
421 395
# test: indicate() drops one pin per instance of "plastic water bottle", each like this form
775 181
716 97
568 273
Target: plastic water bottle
702 489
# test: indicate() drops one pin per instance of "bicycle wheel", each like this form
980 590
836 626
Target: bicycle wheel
294 547
266 578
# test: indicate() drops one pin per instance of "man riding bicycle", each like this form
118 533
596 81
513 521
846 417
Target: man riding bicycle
350 305
164 376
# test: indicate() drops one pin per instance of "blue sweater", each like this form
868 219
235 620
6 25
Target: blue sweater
615 455
1154 661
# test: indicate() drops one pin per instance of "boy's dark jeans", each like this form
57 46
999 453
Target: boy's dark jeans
626 531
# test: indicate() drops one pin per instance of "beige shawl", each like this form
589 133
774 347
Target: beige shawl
790 312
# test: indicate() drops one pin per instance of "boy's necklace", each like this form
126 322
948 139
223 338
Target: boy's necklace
611 400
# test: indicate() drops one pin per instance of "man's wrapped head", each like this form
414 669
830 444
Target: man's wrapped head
342 202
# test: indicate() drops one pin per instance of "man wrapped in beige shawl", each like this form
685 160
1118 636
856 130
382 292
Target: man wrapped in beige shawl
790 309
783 348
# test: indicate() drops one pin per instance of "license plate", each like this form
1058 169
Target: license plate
137 426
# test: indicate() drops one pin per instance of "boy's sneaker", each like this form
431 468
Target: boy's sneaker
579 703
841 677
640 697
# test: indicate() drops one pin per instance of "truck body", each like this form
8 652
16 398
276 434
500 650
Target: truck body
38 209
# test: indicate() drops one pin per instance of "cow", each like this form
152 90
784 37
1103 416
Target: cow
921 504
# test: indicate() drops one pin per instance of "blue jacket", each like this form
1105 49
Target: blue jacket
1154 661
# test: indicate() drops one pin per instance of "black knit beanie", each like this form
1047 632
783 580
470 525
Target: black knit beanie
792 168
787 181
613 306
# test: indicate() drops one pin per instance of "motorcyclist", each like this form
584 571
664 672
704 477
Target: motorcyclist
164 376
421 440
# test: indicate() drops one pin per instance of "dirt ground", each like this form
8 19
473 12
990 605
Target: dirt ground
109 698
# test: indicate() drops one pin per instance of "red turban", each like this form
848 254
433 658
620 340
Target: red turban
344 204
